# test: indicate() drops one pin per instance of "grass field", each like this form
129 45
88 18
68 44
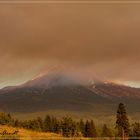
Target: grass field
27 134
24 134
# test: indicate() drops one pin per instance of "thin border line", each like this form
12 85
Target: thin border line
69 1
72 138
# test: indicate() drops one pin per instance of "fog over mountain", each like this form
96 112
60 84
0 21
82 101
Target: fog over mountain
101 38
58 92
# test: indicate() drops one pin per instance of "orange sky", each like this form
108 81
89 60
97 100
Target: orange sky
101 37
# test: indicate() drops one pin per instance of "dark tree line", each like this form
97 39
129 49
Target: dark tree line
66 126
70 128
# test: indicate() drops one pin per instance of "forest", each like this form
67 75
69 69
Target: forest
68 127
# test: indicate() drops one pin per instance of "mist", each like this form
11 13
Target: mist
97 40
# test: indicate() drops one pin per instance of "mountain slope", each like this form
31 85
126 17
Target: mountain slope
57 91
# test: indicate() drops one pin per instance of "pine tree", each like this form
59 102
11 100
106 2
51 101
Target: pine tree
82 127
66 125
93 132
122 122
106 132
90 130
54 125
87 129
69 127
40 123
47 124
16 123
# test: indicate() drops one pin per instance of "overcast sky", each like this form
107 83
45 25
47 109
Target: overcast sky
104 38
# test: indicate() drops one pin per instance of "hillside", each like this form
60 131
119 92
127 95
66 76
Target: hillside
58 94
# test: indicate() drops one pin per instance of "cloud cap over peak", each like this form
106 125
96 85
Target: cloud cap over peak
100 37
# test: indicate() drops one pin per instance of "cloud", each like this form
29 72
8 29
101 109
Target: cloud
100 37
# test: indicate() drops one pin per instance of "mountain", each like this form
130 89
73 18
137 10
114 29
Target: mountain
59 92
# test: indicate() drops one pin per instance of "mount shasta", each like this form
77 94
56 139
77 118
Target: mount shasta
58 92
